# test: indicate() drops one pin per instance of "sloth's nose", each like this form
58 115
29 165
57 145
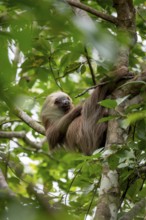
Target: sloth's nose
66 102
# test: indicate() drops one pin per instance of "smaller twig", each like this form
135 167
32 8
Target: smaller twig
72 181
54 75
90 66
86 8
68 72
92 87
26 148
92 199
124 193
142 18
105 82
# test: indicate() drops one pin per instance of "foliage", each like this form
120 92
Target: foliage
43 50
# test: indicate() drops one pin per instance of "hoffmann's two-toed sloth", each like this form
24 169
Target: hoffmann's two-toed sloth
76 128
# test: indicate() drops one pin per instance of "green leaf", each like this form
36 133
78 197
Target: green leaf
72 67
108 103
141 129
113 162
105 119
133 117
83 69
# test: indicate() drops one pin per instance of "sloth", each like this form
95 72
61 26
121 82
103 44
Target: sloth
75 128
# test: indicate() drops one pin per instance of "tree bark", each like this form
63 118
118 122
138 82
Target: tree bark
109 193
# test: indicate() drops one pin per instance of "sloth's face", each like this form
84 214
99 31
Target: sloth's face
64 103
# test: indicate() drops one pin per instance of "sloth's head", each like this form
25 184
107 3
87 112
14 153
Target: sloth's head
60 100
56 105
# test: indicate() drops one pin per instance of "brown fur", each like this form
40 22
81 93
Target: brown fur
78 129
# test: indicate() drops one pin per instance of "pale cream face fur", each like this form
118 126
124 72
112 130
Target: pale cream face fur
51 98
50 110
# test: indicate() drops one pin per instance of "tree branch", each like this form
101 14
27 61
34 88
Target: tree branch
90 66
9 121
92 11
109 200
135 210
28 120
92 87
22 135
23 116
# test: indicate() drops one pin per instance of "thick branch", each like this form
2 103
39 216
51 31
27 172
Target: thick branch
126 14
126 23
21 135
23 116
28 120
86 8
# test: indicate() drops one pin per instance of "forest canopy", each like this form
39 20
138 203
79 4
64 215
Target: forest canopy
72 46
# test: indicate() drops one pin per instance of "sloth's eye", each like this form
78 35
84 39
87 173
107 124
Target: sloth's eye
57 101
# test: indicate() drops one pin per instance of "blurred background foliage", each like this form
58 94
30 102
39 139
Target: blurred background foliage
42 49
